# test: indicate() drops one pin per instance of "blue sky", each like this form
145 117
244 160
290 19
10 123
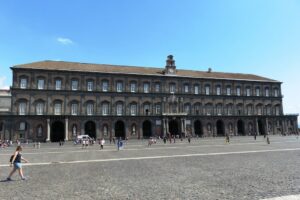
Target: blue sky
256 36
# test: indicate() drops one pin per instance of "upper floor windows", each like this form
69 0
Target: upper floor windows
228 90
57 108
267 92
58 84
133 87
186 88
218 90
207 89
172 88
257 91
22 108
40 108
157 87
74 84
238 91
22 126
105 86
90 86
133 109
119 109
157 109
90 108
105 108
248 91
41 84
276 92
119 86
147 109
23 83
74 109
196 89
146 87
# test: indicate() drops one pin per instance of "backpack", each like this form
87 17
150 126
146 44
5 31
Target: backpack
11 158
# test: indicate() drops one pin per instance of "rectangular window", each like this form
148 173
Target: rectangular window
119 86
186 88
105 86
276 92
228 91
119 109
90 85
74 109
39 108
196 89
105 109
57 109
218 90
22 108
157 109
207 88
267 92
58 84
74 85
90 109
248 92
23 83
238 91
146 87
22 126
187 108
41 84
132 87
157 87
172 88
133 109
257 91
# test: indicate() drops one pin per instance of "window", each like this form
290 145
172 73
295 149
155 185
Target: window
40 108
207 90
259 110
105 109
57 109
147 109
172 88
133 109
249 110
276 93
267 92
219 109
23 83
208 109
119 86
74 85
257 91
228 90
105 130
22 108
186 88
58 84
146 87
157 87
157 109
248 92
74 109
187 108
22 126
197 109
90 109
196 89
238 91
218 90
229 109
277 110
132 87
119 109
39 131
268 110
90 86
41 84
105 86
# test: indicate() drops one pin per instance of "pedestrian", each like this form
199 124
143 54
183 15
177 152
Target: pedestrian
189 139
16 163
102 142
268 140
165 140
227 138
254 136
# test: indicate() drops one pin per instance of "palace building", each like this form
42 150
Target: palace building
55 100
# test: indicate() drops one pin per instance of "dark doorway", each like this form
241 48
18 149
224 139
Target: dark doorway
220 128
57 131
261 129
198 128
120 130
147 129
241 127
90 129
173 128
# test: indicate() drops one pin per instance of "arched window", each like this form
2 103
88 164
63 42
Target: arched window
133 87
187 108
40 83
58 84
74 108
74 84
146 87
238 91
57 108
133 109
105 85
196 89
147 109
208 109
23 82
105 108
22 108
207 89
249 109
119 86
267 92
186 88
257 91
219 109
218 90
90 108
40 108
119 108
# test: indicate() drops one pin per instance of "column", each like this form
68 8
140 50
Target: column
66 129
256 124
184 126
167 125
48 130
164 127
267 126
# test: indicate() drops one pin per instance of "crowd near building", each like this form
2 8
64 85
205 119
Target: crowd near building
56 100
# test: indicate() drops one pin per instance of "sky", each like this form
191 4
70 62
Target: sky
242 36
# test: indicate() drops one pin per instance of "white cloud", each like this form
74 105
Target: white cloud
64 41
2 83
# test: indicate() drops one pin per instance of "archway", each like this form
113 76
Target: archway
120 130
147 129
198 128
261 129
57 131
173 128
241 127
90 129
220 128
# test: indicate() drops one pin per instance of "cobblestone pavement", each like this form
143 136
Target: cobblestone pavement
206 169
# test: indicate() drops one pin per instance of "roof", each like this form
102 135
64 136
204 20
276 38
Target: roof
122 69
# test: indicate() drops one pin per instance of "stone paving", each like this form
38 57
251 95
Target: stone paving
205 169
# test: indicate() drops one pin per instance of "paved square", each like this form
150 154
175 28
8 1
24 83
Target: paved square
205 169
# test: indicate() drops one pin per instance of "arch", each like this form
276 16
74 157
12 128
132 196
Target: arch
261 128
220 128
173 127
120 129
90 129
57 131
198 128
241 127
147 129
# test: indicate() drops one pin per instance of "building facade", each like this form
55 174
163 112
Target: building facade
54 100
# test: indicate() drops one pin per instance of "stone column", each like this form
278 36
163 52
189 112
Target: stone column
256 124
66 129
48 131
164 127
184 126
267 126
167 125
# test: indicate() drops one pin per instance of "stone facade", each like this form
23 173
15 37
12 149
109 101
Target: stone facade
55 104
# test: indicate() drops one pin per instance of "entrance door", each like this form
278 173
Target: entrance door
261 128
173 127
220 128
120 130
57 131
90 129
198 128
241 128
147 129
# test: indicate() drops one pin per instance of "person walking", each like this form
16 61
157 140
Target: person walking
16 163
102 142
189 139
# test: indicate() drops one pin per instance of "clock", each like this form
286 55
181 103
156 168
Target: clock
171 70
